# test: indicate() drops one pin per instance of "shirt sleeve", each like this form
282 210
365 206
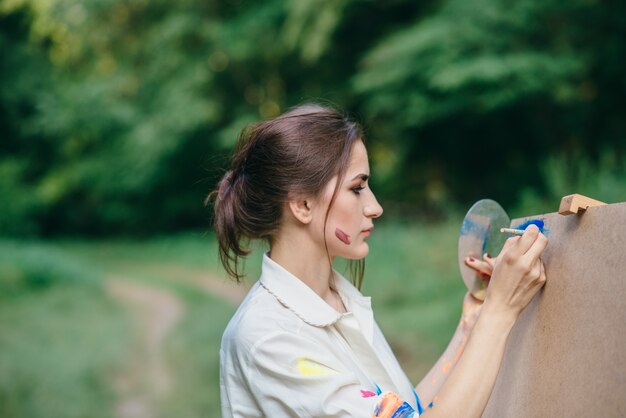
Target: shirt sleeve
292 376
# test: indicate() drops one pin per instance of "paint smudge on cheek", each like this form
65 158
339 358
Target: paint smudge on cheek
343 237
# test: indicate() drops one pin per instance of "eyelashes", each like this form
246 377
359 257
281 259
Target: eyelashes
357 189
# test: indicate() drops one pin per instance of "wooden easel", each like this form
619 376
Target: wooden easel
566 354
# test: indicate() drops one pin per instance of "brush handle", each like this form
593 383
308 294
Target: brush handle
512 231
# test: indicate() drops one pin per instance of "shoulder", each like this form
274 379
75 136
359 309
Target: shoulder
259 317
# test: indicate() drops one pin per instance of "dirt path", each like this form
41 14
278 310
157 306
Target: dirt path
156 311
201 280
146 377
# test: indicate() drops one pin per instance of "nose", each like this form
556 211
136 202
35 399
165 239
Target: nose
373 209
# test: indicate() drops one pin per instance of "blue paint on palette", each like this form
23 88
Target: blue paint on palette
476 230
470 227
538 222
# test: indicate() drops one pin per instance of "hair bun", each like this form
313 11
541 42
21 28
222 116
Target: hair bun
226 184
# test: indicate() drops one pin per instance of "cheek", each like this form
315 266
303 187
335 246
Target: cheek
345 223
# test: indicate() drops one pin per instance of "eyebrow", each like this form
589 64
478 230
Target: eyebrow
361 176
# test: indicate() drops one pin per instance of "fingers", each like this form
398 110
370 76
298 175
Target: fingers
519 272
542 275
508 244
534 274
526 241
483 268
469 299
537 248
489 260
538 275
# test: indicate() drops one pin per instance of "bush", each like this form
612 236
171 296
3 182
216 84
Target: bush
31 266
603 180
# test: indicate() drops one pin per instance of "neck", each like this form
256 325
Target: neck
301 257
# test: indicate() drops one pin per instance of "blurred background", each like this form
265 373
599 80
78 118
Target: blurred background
118 117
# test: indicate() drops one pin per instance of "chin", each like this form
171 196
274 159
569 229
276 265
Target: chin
357 253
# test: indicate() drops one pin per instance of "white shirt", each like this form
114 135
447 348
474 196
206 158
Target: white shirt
287 353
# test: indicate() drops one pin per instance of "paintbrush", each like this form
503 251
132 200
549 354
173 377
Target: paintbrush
512 231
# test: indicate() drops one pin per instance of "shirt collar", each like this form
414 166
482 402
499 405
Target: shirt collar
294 294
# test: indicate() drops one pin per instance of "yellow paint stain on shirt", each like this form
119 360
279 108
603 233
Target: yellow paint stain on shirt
308 367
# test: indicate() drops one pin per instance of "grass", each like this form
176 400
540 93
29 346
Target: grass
60 336
193 353
63 340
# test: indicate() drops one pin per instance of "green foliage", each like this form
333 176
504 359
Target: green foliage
27 267
118 117
310 25
482 93
20 206
604 180
467 58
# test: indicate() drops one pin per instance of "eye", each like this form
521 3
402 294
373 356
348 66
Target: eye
357 189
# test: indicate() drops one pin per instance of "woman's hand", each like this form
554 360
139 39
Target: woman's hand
518 273
471 304
517 276
484 267
471 311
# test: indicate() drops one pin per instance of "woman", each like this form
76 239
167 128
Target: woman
304 343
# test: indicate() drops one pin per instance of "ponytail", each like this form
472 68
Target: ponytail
227 209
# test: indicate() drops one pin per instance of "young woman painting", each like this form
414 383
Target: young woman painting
304 342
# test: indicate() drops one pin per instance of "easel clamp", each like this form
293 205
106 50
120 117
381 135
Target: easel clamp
575 203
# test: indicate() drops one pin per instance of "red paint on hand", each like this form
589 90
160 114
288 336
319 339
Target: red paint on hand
343 237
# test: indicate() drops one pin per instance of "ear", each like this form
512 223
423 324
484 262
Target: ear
301 210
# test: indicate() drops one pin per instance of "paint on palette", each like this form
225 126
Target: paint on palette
470 227
478 230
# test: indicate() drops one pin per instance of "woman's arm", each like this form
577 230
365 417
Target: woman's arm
517 277
428 388
430 385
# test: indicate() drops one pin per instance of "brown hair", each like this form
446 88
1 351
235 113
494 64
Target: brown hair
293 155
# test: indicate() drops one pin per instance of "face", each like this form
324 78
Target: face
351 217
